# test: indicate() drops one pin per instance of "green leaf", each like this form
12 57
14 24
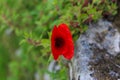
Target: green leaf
45 43
22 41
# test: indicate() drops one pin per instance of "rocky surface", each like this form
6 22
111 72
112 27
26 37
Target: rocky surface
97 53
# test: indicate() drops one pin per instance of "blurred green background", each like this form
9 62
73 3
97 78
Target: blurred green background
25 29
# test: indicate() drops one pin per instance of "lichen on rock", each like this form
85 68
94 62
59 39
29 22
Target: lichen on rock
97 53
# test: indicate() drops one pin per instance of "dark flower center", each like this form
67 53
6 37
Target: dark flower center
59 42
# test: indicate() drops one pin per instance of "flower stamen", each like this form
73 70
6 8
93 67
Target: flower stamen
59 42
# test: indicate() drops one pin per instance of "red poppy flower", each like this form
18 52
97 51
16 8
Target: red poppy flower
61 42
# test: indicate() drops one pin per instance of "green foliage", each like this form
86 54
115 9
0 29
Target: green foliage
25 30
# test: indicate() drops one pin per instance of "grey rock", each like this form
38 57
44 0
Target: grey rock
53 67
97 53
